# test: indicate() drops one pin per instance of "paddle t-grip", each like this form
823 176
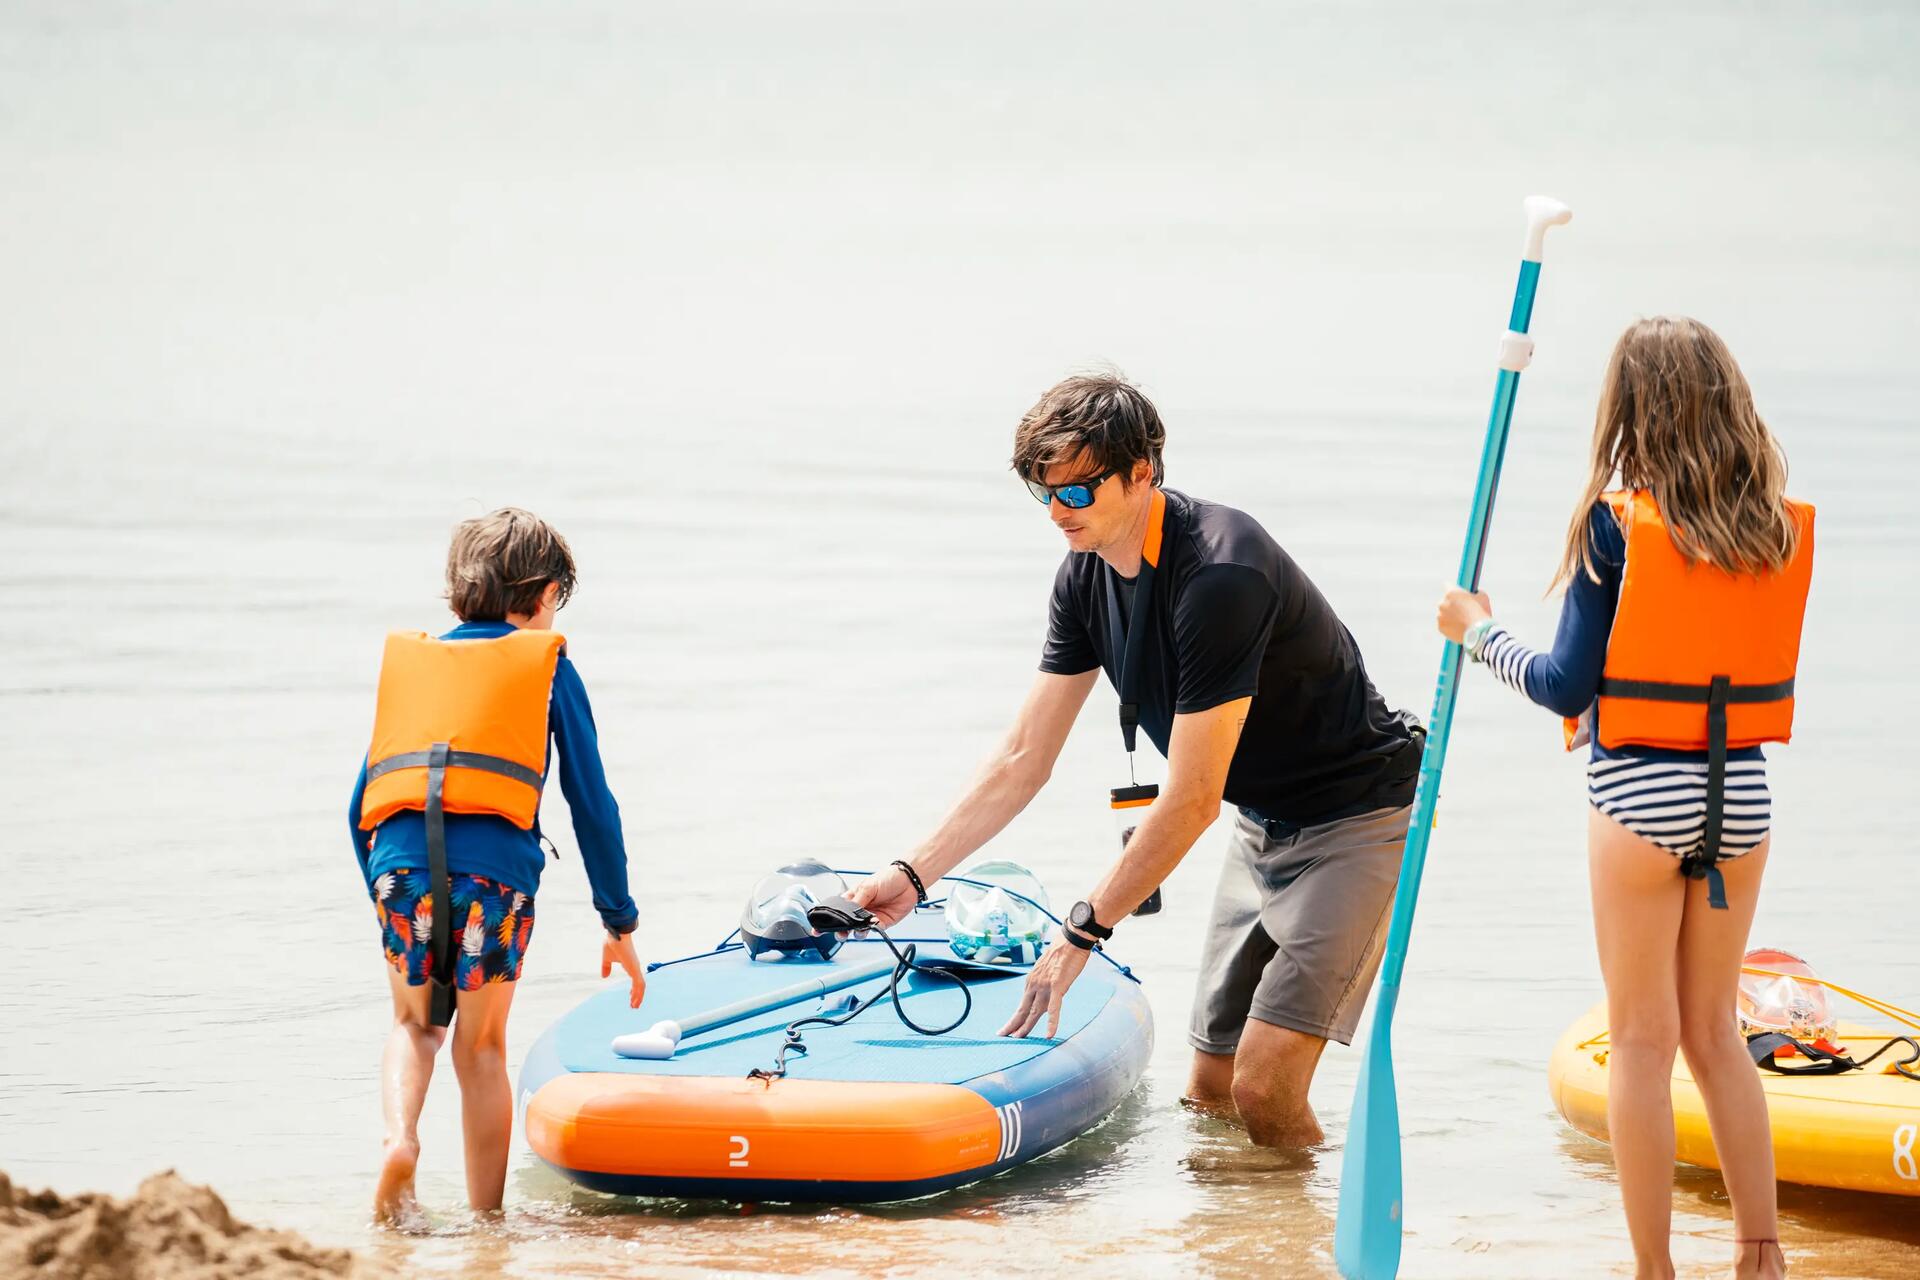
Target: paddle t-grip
656 1043
1543 212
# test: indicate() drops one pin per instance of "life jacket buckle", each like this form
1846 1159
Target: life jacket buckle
1701 865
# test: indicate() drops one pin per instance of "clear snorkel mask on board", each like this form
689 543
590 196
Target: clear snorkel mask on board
1001 919
773 925
1788 1003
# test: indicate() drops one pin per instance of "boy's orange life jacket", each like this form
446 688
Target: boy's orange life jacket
482 705
1699 659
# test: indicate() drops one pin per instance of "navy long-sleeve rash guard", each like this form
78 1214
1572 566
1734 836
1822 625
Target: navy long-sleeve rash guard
483 844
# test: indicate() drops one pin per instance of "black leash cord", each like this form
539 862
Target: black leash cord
906 963
1913 1056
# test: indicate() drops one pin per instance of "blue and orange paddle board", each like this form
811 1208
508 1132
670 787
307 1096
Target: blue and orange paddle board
871 1112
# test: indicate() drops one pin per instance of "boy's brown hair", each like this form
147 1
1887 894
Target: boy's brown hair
1100 413
501 563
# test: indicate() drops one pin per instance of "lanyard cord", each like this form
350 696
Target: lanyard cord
905 963
1132 633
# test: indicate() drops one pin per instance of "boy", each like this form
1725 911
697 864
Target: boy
445 821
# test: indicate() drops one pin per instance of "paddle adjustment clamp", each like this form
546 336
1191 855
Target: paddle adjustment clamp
1516 351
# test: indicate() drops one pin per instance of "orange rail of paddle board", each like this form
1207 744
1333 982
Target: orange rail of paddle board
713 1127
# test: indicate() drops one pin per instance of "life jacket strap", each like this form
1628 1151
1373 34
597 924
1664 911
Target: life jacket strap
451 759
436 760
1716 788
440 940
1718 694
1661 691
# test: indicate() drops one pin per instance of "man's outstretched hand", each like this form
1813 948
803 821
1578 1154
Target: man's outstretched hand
1047 984
888 894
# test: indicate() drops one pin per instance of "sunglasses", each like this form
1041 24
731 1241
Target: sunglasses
1074 497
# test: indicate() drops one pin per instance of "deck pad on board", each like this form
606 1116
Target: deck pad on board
876 1046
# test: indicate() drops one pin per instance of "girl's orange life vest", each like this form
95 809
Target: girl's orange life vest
482 704
1698 653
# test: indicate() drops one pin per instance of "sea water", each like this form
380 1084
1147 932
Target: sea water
747 297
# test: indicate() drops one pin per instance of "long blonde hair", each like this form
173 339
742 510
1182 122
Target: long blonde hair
1676 417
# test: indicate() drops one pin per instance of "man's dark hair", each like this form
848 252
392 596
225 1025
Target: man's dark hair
501 564
1100 413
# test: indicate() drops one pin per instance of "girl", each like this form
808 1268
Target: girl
1675 656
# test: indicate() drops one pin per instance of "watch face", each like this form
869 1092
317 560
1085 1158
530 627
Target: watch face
1081 916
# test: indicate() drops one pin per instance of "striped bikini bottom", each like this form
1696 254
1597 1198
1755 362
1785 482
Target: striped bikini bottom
1665 801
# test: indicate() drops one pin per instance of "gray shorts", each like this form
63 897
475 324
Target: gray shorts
1298 926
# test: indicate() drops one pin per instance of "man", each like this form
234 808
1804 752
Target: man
1247 682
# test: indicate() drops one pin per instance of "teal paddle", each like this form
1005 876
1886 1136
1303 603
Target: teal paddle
660 1040
1366 1237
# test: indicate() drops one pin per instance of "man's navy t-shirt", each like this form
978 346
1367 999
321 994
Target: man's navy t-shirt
1234 617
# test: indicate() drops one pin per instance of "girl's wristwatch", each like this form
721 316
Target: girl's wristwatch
1475 637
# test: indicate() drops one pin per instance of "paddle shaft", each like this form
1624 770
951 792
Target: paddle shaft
1413 859
837 978
1367 1233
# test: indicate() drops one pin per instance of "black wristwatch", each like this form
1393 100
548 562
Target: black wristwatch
1081 918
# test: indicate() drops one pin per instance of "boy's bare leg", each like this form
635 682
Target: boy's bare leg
486 1095
406 1067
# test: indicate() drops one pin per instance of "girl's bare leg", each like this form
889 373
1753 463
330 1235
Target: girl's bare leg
1711 946
1638 899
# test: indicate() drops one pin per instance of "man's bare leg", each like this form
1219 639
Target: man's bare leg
1264 1082
1271 1074
1210 1084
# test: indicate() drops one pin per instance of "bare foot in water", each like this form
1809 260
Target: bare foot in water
394 1204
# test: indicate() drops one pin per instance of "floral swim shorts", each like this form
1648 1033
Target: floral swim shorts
492 925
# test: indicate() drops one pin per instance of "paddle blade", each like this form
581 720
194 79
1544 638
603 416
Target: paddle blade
1366 1237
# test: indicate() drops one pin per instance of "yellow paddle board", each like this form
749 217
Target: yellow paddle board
1859 1131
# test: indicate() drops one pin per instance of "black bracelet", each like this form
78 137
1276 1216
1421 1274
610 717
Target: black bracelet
919 889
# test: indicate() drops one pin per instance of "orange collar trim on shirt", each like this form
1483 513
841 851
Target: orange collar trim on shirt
1156 519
